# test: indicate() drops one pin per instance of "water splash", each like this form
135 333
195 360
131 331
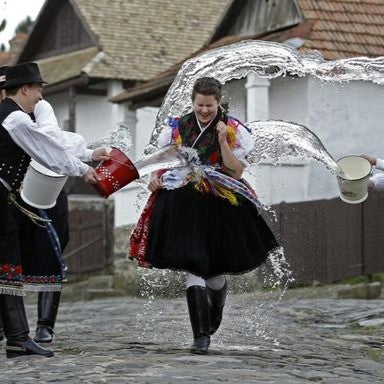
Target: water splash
257 321
277 272
154 286
266 60
274 140
143 194
168 157
120 138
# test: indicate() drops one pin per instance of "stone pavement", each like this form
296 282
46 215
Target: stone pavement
262 340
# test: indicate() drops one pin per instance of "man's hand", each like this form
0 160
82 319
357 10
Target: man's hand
91 176
371 159
100 154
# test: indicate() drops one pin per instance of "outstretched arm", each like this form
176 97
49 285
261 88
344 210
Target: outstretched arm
377 163
71 142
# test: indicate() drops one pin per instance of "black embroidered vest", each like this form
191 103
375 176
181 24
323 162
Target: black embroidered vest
13 160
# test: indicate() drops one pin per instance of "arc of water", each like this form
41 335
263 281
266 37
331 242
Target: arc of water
274 139
266 59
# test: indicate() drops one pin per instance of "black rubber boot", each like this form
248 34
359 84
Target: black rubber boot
198 308
16 329
47 307
216 300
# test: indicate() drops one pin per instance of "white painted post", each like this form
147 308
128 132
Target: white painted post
257 97
117 110
130 118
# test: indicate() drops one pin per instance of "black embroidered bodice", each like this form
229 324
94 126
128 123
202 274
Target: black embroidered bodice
14 160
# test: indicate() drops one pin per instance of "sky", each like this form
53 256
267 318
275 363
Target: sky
15 11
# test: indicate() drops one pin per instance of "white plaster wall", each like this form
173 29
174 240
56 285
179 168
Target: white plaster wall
95 115
348 119
233 93
127 205
274 184
59 103
117 110
146 118
288 181
288 99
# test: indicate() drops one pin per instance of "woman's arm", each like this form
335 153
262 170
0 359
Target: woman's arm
234 167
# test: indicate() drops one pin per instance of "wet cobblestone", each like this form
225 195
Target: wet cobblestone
130 340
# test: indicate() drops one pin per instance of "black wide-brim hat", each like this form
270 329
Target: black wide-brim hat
2 77
21 74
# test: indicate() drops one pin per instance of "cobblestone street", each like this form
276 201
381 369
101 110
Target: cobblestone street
130 340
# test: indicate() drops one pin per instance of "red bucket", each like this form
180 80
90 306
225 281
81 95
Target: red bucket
114 173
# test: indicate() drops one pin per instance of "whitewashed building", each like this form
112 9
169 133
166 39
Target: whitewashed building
346 117
129 52
89 51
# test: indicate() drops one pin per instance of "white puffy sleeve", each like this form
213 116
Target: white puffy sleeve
243 144
165 136
47 146
377 181
380 164
72 142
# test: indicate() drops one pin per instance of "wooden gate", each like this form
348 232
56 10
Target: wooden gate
90 249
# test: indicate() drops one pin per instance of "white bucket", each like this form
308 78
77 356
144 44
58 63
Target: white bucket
353 184
41 186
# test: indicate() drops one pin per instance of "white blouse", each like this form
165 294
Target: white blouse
62 152
377 179
175 178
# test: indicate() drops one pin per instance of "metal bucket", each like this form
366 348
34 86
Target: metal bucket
115 173
353 183
41 186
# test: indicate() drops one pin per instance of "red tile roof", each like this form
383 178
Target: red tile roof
336 28
16 43
344 28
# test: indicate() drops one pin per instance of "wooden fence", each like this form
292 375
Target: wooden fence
329 240
324 240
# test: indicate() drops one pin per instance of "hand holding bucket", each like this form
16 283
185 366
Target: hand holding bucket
114 173
118 170
354 179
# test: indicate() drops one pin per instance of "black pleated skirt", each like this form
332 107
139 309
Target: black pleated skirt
27 257
37 254
207 235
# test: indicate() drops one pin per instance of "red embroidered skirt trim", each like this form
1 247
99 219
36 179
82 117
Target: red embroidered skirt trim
138 241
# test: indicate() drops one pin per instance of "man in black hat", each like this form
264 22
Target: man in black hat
42 247
21 139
